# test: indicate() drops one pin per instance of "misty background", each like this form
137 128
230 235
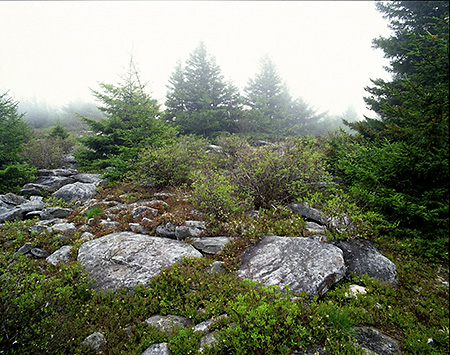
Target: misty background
53 53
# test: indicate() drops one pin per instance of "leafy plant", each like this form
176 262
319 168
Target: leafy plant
265 322
14 177
170 165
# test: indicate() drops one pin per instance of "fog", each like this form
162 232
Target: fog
54 52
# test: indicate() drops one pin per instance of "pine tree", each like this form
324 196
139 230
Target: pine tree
404 171
132 121
199 101
14 131
273 111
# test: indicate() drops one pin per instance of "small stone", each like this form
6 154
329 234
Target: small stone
355 290
26 248
168 323
157 349
61 255
39 253
86 236
94 341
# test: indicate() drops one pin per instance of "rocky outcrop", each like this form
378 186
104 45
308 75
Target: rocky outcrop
304 264
361 257
127 259
65 184
77 191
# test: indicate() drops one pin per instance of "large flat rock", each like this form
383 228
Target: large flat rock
304 264
126 259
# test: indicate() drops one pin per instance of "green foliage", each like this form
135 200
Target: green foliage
199 101
47 152
258 177
59 131
51 309
132 122
15 176
14 132
403 184
92 212
170 165
184 341
274 174
215 193
398 165
265 322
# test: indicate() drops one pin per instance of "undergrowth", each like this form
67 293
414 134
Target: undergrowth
52 309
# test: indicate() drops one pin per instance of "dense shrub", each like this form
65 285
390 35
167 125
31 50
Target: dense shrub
255 323
278 173
48 152
215 193
170 165
15 176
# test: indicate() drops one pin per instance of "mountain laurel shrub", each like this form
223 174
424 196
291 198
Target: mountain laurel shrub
259 177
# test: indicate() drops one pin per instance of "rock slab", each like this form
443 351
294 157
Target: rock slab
127 259
305 265
361 257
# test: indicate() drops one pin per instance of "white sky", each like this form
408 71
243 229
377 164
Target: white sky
55 51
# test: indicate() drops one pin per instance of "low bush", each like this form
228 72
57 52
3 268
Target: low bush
15 176
255 323
215 194
170 165
47 152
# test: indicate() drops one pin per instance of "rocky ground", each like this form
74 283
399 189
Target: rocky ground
123 246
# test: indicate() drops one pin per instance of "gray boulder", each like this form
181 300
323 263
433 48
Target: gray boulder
39 253
157 349
55 212
75 191
94 341
210 245
60 255
12 199
33 204
166 230
88 178
53 183
56 172
169 323
126 259
374 342
8 214
305 265
308 212
362 257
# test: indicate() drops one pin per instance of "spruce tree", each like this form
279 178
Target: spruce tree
199 101
132 121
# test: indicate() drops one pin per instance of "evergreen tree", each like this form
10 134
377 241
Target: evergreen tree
198 99
132 122
414 104
404 171
273 111
14 131
59 131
